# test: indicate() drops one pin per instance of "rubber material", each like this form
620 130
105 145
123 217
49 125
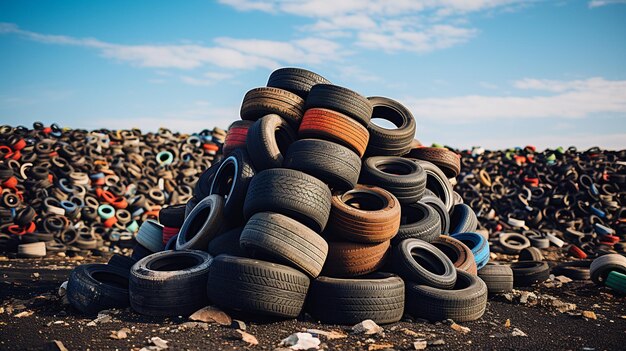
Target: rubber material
277 238
616 281
526 273
499 278
121 261
461 256
405 179
325 124
366 214
231 181
478 245
170 283
378 296
348 259
435 202
513 243
268 140
237 137
202 224
331 163
577 270
601 266
422 263
150 236
418 221
263 101
296 80
340 99
256 287
110 283
448 161
530 254
437 183
390 142
462 219
467 301
227 243
292 193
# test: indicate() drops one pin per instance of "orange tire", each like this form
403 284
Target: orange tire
347 259
321 123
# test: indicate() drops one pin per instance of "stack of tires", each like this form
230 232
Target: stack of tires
315 208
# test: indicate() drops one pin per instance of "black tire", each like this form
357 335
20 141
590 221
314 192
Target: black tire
420 262
437 183
202 188
227 243
277 238
292 193
110 283
340 99
202 225
121 261
264 101
577 270
390 142
418 221
538 241
435 202
462 219
527 273
513 243
530 254
377 296
405 179
268 140
170 283
331 163
601 266
231 181
499 278
189 206
296 80
256 287
466 301
139 252
172 216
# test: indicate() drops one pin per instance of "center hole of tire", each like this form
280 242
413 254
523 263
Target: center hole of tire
173 263
197 222
448 251
428 260
365 201
111 279
282 139
394 168
224 180
386 117
411 214
469 243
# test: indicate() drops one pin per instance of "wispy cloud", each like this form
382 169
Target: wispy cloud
600 3
561 99
227 53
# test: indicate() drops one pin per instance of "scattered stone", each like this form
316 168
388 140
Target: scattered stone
367 327
517 332
101 319
191 325
210 314
525 295
63 293
563 279
158 342
24 314
2 310
301 341
374 347
120 334
589 315
237 324
410 332
507 324
420 344
54 345
36 275
249 338
437 342
459 328
330 335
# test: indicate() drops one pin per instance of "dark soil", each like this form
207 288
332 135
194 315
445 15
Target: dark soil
547 329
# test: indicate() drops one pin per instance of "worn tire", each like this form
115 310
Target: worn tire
296 80
499 278
277 238
237 136
577 270
405 179
438 183
390 142
422 263
325 124
292 193
340 99
348 259
527 273
379 297
331 163
479 246
461 256
227 243
465 302
601 266
366 214
435 202
263 101
170 283
448 161
530 254
257 287
231 181
268 140
462 219
121 261
95 287
202 225
418 221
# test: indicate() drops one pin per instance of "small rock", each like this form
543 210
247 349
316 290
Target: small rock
101 319
590 315
61 254
420 344
158 342
461 329
437 342
374 347
301 341
237 324
329 335
507 324
517 332
120 334
24 314
55 345
1 310
249 338
36 275
211 314
409 332
563 279
367 327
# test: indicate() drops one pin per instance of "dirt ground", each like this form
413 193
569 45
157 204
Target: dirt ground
31 286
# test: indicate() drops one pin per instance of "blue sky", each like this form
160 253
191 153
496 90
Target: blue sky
495 73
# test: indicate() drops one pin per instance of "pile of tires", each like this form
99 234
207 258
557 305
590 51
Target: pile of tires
315 209
79 192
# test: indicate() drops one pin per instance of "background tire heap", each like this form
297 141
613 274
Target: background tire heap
314 208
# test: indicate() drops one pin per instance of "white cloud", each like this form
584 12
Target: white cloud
600 3
207 79
561 99
228 53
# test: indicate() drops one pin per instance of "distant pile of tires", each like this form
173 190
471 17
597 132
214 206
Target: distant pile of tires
78 192
312 208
